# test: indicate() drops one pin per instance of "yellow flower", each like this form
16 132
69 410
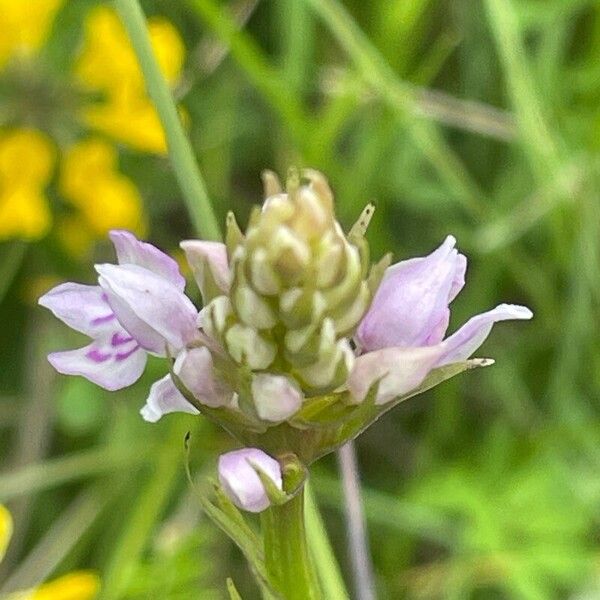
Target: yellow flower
119 107
6 527
80 585
26 162
108 65
25 24
91 182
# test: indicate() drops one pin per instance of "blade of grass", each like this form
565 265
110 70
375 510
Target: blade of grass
59 540
57 471
210 53
296 40
536 136
146 512
389 512
401 98
180 151
261 72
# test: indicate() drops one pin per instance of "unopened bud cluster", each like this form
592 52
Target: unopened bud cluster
298 291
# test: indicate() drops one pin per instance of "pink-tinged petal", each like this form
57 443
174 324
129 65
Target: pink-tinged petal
135 292
398 370
165 398
410 308
112 363
458 282
147 337
203 255
275 397
131 251
241 482
460 345
195 369
82 307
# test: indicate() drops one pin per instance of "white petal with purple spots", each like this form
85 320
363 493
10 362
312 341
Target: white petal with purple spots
112 362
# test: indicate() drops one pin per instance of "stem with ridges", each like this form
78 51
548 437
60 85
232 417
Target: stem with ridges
180 151
286 551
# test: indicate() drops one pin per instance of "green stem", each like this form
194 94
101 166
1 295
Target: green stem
180 151
326 565
286 551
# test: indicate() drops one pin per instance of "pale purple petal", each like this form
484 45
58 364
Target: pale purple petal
275 397
112 363
241 482
195 369
147 337
212 255
398 370
157 304
458 282
82 307
460 345
131 251
410 307
165 398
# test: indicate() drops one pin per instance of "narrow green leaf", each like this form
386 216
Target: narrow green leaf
180 150
231 589
326 565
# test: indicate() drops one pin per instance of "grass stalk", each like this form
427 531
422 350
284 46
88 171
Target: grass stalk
180 150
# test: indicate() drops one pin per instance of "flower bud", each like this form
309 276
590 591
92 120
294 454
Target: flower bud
194 367
247 347
298 291
241 482
276 397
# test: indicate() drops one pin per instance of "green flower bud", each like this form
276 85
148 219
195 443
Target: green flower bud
299 287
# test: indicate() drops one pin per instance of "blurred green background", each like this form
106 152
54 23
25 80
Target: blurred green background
479 118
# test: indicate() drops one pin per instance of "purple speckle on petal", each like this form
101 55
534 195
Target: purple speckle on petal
104 319
119 339
97 356
123 355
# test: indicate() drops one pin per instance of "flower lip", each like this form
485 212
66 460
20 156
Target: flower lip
109 367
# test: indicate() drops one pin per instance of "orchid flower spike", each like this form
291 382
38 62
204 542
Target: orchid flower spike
298 330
